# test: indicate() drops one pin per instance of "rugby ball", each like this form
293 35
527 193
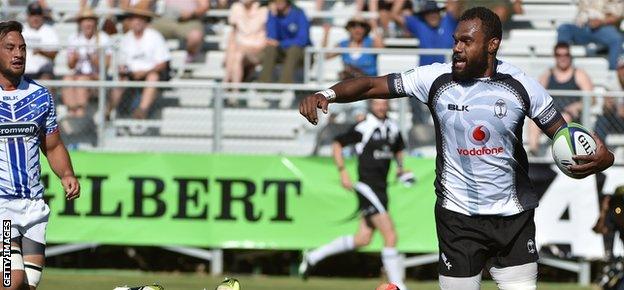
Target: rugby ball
571 139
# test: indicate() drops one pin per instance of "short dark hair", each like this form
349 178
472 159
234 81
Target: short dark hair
492 26
9 26
561 44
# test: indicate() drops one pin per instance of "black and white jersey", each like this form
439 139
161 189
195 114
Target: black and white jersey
376 141
481 165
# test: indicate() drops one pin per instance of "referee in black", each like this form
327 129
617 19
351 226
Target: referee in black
377 141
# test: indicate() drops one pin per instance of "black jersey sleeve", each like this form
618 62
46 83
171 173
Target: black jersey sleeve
350 137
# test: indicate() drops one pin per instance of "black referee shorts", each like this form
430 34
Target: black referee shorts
372 200
466 243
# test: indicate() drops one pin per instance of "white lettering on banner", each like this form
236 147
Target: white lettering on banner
580 198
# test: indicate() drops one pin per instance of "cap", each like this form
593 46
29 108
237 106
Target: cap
34 9
429 6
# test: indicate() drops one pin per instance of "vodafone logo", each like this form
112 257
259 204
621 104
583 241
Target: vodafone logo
479 135
480 151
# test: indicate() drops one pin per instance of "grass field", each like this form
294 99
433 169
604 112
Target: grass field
57 279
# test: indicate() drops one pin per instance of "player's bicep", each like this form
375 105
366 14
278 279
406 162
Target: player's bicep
542 109
378 88
50 141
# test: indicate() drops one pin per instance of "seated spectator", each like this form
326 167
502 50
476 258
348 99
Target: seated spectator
83 59
184 20
433 29
144 57
246 41
40 41
503 8
564 76
597 21
288 33
357 63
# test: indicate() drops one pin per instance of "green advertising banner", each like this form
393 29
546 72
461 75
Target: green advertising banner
227 201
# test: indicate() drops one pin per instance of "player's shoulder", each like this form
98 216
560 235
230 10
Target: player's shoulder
29 86
509 70
431 70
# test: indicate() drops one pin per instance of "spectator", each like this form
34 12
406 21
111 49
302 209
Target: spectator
288 33
183 20
144 57
246 41
83 59
564 76
433 29
596 22
356 63
41 40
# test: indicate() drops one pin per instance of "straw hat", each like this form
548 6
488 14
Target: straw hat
141 9
84 13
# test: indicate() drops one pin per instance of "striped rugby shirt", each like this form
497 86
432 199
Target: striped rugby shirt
25 114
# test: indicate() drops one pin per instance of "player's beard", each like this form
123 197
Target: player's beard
475 68
12 75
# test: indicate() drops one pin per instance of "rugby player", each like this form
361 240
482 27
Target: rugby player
27 124
485 202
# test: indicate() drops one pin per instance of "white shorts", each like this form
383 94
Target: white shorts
29 217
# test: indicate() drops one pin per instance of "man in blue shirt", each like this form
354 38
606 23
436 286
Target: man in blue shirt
288 33
432 29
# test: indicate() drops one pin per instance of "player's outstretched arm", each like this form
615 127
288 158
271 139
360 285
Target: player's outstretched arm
344 92
53 148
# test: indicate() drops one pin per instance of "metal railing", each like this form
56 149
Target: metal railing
318 54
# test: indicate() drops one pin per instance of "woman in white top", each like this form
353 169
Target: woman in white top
83 59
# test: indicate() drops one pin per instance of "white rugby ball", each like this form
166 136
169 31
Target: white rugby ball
571 139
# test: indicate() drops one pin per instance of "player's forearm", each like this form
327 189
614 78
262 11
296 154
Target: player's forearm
361 88
337 153
399 160
59 161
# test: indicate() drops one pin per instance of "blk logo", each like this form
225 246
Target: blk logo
454 107
479 135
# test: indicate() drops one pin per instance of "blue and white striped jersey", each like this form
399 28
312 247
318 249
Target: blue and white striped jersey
25 115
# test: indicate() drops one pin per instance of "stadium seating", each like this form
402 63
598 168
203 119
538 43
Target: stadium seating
529 49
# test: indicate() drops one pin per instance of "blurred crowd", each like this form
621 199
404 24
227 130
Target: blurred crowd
266 43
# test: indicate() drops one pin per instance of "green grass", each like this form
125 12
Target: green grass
64 279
